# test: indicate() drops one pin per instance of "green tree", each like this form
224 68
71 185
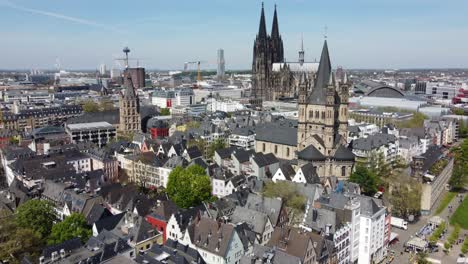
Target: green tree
16 242
379 166
89 106
458 111
188 187
106 105
215 145
462 129
421 258
366 178
164 111
71 227
287 192
405 196
201 144
459 179
37 215
417 120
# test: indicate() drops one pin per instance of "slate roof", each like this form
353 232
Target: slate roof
54 190
211 235
276 133
255 220
432 154
287 170
310 173
290 240
344 154
270 206
318 95
164 211
271 254
172 252
310 153
109 223
242 155
67 245
373 141
194 152
263 160
226 152
96 213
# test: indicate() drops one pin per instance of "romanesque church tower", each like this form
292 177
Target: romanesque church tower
129 108
323 119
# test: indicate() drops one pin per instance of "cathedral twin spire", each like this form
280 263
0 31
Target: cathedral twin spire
275 41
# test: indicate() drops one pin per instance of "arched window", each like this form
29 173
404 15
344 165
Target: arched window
343 171
276 149
264 147
323 115
287 151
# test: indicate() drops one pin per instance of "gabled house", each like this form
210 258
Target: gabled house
273 207
216 242
294 242
285 172
257 221
307 174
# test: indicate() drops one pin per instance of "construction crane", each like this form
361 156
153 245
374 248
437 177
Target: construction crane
198 63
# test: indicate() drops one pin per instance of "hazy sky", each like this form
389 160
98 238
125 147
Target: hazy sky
165 34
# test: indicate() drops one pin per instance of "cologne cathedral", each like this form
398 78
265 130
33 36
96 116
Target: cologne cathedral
272 77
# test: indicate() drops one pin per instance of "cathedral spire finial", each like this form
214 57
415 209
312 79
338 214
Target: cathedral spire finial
262 28
301 51
325 32
275 27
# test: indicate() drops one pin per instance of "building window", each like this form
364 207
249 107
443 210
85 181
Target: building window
343 171
276 149
287 151
264 147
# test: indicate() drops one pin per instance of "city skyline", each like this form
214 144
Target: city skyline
163 35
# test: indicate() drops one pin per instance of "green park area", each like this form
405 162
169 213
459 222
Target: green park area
445 201
460 216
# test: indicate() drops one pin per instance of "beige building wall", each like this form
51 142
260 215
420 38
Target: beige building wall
432 193
280 151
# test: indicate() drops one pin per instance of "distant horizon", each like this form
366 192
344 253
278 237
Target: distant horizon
214 70
362 34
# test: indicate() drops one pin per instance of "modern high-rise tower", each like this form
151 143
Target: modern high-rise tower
221 65
102 69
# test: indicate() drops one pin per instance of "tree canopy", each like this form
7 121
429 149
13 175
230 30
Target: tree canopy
89 106
459 179
404 196
16 242
188 187
416 121
215 145
287 192
36 215
366 178
71 227
164 111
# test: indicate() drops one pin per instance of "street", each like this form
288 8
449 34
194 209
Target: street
413 228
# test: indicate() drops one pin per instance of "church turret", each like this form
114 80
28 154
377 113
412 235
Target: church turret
301 52
303 88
